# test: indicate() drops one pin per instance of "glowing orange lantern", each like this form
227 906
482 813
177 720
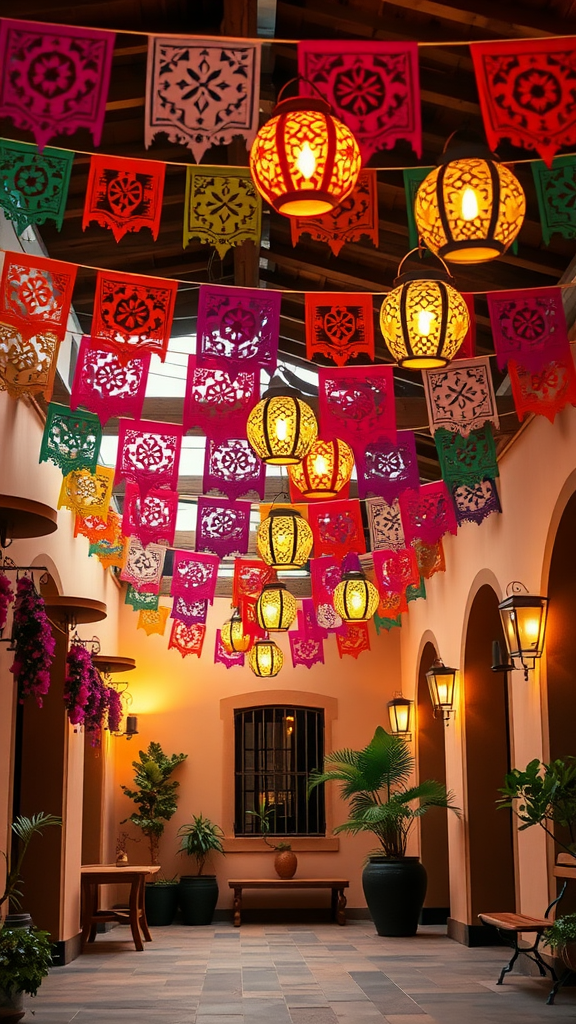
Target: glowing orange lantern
324 471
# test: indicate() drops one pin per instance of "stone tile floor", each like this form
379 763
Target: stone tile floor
292 974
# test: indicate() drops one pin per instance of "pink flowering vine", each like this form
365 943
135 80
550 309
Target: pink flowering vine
6 597
114 709
34 644
78 682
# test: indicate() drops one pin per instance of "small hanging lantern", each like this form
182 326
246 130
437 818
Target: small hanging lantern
355 598
275 608
304 161
324 471
400 712
234 639
265 658
423 320
284 539
471 207
441 680
523 618
282 428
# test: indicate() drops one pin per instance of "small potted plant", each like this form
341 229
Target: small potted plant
198 894
561 937
285 861
25 960
156 800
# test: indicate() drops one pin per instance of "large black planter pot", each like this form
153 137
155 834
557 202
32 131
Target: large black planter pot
198 896
161 902
394 891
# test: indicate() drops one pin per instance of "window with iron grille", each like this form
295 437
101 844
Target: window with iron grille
276 748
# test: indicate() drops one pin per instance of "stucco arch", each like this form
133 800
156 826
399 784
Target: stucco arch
45 560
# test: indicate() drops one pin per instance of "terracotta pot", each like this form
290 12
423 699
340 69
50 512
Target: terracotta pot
568 954
285 863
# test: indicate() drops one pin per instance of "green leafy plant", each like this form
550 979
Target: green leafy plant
24 829
155 793
200 838
263 814
374 781
545 795
25 959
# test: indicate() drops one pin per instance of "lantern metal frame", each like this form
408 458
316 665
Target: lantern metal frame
276 658
452 305
441 708
518 599
285 610
340 600
399 701
266 544
259 434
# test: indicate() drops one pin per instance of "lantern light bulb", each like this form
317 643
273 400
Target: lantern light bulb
320 465
281 427
470 207
306 161
532 629
424 321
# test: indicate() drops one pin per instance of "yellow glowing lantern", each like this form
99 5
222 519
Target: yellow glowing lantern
265 658
324 471
276 608
355 598
400 714
282 428
441 681
284 539
234 639
471 207
523 618
423 320
304 161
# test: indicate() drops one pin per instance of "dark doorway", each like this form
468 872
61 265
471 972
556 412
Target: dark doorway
434 825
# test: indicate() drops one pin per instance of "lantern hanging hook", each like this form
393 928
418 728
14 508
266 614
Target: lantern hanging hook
301 78
515 587
421 250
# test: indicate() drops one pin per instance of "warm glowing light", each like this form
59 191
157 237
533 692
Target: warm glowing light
424 320
470 207
324 471
441 681
284 539
320 465
265 658
232 635
281 428
306 161
276 608
355 598
400 714
523 618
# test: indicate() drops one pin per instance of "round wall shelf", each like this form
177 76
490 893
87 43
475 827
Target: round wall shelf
22 517
113 664
66 611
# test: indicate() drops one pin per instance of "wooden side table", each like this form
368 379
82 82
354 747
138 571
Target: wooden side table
336 885
95 875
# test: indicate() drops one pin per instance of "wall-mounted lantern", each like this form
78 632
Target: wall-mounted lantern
400 712
523 618
441 680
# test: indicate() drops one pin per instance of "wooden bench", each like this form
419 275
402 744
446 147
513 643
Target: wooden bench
511 926
337 885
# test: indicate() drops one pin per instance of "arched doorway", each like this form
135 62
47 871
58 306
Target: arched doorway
490 831
433 826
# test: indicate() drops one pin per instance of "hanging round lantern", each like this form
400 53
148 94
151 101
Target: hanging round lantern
324 471
471 207
424 320
282 427
265 658
304 161
275 608
234 638
284 539
355 598
523 618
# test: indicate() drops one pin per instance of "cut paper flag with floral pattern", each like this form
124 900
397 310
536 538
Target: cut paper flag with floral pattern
87 494
33 185
430 557
151 519
144 566
189 611
385 525
222 207
36 293
107 385
223 526
353 639
124 194
384 622
149 454
305 650
392 604
357 404
111 551
250 575
427 514
466 459
556 193
339 326
96 529
27 366
222 657
416 593
353 219
526 92
233 468
546 392
388 466
325 575
461 396
218 401
202 92
237 326
395 570
54 78
475 502
467 349
529 327
337 528
133 314
153 621
71 440
187 639
373 87
194 576
138 601
307 621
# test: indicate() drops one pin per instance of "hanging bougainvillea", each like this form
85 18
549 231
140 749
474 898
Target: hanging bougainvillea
34 644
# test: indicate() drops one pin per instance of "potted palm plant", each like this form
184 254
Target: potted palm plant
156 799
198 894
375 782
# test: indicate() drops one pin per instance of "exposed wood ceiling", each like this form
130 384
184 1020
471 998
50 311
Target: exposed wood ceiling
449 102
